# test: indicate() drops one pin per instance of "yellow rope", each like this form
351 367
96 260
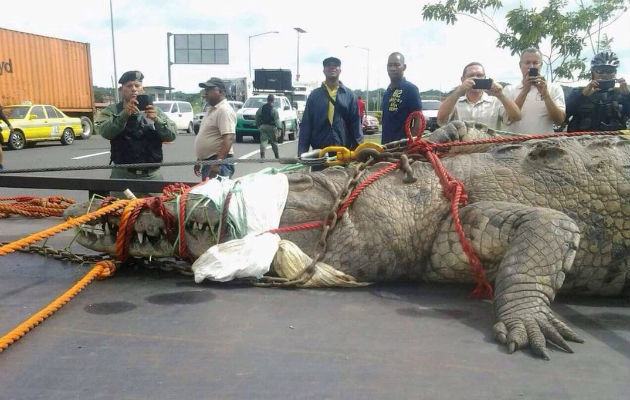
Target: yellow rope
101 270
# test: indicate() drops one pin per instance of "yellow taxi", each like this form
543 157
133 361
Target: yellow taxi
34 123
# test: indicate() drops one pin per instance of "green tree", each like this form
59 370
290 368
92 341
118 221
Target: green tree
559 31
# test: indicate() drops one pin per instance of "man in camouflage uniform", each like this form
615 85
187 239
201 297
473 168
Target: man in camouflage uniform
136 136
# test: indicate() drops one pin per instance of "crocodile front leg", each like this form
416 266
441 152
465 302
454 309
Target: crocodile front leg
528 251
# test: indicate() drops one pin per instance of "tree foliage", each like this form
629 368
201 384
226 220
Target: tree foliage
559 31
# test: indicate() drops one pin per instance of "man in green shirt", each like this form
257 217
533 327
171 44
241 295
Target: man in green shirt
267 121
135 136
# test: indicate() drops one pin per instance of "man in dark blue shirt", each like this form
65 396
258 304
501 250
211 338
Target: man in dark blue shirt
331 115
400 100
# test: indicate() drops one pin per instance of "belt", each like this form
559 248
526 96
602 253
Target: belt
141 171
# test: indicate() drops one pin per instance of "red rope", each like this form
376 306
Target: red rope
300 227
355 193
454 191
507 139
411 116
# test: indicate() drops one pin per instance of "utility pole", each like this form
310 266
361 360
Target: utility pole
111 23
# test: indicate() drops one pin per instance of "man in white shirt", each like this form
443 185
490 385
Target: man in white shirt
216 132
541 103
467 103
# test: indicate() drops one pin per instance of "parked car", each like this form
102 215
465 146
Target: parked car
34 123
246 118
236 105
369 125
180 112
430 109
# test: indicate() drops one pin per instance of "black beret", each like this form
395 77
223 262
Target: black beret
131 76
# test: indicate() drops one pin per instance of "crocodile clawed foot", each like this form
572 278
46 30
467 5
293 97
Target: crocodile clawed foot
536 329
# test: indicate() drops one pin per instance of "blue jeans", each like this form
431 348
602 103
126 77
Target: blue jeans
224 170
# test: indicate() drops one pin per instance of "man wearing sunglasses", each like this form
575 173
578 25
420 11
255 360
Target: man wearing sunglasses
603 104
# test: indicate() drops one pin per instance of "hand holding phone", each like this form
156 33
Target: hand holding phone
143 101
482 83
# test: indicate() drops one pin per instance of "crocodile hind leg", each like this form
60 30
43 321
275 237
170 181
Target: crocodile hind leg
528 251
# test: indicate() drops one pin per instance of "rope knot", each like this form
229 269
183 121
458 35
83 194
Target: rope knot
175 189
108 268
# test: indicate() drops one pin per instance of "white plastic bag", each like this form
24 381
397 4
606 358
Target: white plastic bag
250 256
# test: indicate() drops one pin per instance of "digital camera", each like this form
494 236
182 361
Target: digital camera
606 84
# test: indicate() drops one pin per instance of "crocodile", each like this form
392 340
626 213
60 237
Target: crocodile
543 216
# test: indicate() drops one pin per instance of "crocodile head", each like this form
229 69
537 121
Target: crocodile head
150 237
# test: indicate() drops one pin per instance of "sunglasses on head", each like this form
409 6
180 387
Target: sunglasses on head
604 70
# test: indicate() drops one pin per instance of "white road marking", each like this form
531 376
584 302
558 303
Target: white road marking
257 152
91 155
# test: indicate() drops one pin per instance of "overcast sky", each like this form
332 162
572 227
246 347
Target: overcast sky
435 53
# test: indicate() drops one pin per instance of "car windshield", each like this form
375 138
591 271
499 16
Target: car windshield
299 97
16 112
166 107
257 102
431 105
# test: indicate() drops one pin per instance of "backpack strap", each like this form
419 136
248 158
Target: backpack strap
328 95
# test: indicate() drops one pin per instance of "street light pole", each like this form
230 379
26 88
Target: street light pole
297 75
250 50
111 22
367 84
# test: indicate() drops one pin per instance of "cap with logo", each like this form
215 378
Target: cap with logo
332 60
213 82
131 76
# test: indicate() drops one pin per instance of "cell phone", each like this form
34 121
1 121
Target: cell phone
532 72
143 101
482 83
606 84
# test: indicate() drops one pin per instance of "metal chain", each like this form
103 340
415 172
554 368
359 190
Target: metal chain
63 254
328 225
166 265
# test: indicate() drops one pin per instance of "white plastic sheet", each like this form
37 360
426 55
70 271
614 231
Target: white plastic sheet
250 256
258 200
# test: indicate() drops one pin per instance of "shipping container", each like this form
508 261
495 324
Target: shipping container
46 70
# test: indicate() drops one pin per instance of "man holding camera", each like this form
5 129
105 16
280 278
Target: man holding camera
600 106
478 99
135 131
541 103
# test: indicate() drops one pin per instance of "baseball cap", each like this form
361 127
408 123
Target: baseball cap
213 82
131 76
332 60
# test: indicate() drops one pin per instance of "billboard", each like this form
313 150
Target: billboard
201 48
